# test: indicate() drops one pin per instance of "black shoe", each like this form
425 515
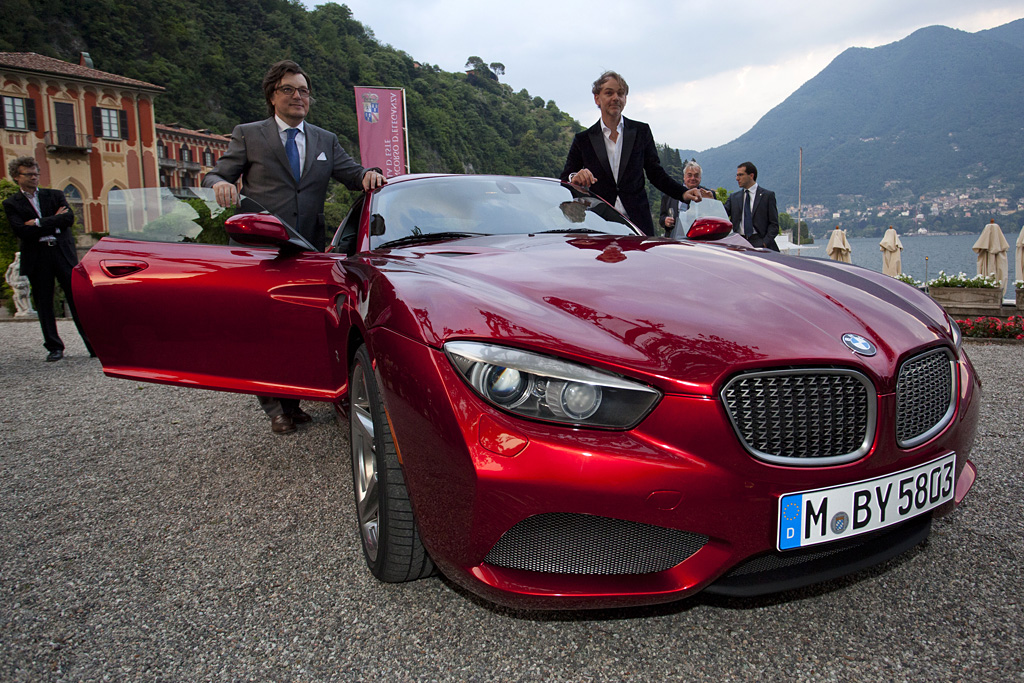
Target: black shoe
54 355
281 424
300 416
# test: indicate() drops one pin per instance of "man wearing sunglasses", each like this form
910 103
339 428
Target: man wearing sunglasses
285 164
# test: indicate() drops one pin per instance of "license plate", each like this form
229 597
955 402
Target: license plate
808 518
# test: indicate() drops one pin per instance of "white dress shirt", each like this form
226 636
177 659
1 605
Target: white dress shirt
614 150
300 138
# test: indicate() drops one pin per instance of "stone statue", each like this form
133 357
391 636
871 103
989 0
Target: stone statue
20 286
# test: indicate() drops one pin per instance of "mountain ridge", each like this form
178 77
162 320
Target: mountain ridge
933 112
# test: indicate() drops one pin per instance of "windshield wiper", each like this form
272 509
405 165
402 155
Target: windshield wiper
429 237
572 230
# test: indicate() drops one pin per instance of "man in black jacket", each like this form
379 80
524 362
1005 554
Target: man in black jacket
42 220
753 210
612 157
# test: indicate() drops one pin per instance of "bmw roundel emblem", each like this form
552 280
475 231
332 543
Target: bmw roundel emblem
859 344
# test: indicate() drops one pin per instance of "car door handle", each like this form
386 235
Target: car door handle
120 268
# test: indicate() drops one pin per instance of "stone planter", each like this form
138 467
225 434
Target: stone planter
966 296
1020 301
968 301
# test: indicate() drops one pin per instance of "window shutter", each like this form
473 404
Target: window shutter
124 124
30 113
97 123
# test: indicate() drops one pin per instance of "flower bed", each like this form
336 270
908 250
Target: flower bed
910 280
962 280
993 328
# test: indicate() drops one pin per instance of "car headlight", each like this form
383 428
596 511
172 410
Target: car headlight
545 388
958 336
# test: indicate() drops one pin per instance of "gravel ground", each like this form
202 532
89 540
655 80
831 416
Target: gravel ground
157 533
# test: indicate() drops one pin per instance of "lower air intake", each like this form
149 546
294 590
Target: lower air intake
570 543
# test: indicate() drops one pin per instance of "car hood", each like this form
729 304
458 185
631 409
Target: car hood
682 315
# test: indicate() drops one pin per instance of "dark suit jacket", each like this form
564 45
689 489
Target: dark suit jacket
764 216
676 205
639 157
256 155
19 211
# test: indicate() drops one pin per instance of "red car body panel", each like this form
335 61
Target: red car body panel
683 317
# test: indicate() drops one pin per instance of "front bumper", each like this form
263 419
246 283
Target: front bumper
476 475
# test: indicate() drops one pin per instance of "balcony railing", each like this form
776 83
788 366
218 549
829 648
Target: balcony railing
190 166
60 141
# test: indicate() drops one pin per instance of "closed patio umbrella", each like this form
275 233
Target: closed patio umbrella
892 253
1020 254
838 248
991 250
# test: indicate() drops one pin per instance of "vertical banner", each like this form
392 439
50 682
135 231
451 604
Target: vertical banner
383 137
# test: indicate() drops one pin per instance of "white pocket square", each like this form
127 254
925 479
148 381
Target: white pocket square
322 157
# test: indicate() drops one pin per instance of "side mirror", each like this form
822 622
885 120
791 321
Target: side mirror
256 230
709 229
376 225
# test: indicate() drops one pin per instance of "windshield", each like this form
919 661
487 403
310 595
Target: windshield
158 214
486 205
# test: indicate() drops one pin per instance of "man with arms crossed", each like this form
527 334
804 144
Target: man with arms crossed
613 156
285 164
42 220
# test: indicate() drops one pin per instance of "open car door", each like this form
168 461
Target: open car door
166 298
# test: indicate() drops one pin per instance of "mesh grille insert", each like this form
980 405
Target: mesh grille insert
925 397
570 543
803 417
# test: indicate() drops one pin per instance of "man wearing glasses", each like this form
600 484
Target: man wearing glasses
285 164
42 220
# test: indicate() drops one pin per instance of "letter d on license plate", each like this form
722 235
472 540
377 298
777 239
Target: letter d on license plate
822 515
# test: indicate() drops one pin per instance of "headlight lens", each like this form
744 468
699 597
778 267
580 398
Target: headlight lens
545 388
958 336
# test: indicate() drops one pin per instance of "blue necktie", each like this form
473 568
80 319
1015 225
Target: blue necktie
748 221
292 151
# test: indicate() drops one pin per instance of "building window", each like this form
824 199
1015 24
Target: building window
186 153
207 158
108 118
74 198
110 123
19 113
161 151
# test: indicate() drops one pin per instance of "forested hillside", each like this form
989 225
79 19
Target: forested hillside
210 55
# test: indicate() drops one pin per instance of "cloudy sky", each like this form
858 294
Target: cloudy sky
701 73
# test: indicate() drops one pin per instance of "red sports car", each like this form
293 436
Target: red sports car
550 408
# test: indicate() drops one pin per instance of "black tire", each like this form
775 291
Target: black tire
387 527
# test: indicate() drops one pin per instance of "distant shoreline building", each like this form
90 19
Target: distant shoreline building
185 155
90 131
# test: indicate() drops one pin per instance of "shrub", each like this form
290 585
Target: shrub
993 328
962 280
912 281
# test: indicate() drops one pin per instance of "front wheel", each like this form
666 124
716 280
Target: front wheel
387 526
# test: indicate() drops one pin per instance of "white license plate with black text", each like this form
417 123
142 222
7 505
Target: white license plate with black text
810 517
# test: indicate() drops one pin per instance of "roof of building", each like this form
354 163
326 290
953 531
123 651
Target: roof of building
178 129
36 63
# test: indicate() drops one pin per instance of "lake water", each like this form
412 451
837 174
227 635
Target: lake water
951 253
